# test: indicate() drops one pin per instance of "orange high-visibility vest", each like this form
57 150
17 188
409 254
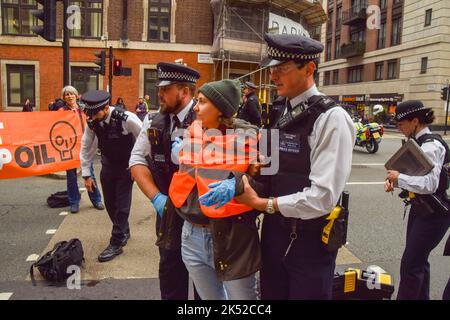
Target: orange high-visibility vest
211 158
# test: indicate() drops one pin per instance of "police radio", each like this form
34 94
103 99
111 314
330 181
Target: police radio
291 116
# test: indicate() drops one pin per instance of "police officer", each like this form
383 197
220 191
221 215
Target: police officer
250 110
316 139
114 131
446 294
428 221
152 167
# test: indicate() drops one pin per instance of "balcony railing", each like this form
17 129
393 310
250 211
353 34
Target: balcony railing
355 15
353 49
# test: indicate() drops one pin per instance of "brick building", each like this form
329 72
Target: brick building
407 57
220 38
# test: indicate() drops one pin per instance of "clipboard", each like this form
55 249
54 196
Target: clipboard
410 160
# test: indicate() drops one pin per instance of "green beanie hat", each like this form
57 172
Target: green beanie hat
224 94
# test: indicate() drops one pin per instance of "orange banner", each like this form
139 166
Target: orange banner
37 143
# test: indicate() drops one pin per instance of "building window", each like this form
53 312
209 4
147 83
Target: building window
357 35
397 1
150 88
383 4
396 31
337 48
338 17
379 71
91 19
423 65
392 69
17 18
20 84
355 74
84 79
248 30
381 43
159 20
428 17
328 56
326 79
335 77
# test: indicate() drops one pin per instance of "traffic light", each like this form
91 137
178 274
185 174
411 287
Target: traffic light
48 17
101 62
444 93
117 67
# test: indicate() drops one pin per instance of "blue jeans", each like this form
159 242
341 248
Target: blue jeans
198 256
72 188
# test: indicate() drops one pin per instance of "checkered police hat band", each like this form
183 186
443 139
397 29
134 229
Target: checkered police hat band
175 76
406 113
98 105
275 53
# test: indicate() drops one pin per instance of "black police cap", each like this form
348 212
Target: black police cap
95 100
410 109
286 47
169 73
250 85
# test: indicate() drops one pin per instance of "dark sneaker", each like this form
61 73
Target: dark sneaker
110 253
74 208
125 240
99 206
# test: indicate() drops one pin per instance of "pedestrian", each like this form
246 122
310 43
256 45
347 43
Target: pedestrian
69 101
120 103
250 110
220 245
114 132
147 102
316 139
429 216
141 109
27 106
152 168
446 295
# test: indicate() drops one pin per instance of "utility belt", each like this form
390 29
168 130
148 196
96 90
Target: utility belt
122 164
426 204
334 233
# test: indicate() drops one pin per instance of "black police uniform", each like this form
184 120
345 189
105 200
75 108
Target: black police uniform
250 110
115 147
425 228
303 268
173 275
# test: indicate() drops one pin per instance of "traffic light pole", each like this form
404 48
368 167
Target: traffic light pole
446 108
66 80
111 58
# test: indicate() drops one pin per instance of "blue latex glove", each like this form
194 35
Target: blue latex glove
221 192
159 201
176 148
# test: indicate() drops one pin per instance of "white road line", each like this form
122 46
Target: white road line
5 295
360 183
64 213
82 189
32 257
367 164
50 231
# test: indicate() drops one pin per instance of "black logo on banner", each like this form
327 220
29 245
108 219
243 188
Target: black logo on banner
63 137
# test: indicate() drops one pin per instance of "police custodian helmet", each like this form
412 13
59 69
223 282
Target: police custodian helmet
95 100
169 73
286 47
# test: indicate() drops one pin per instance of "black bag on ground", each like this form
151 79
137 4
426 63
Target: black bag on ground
53 265
58 200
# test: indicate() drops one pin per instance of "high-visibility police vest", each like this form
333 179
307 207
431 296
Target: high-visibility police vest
211 157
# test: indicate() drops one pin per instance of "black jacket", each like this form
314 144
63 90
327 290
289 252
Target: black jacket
250 111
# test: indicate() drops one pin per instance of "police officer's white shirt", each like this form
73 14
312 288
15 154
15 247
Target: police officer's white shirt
89 141
331 142
428 183
142 146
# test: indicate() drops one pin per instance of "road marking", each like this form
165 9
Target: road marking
64 213
32 257
360 183
367 164
50 231
5 295
82 189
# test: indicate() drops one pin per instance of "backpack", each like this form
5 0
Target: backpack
58 200
53 265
